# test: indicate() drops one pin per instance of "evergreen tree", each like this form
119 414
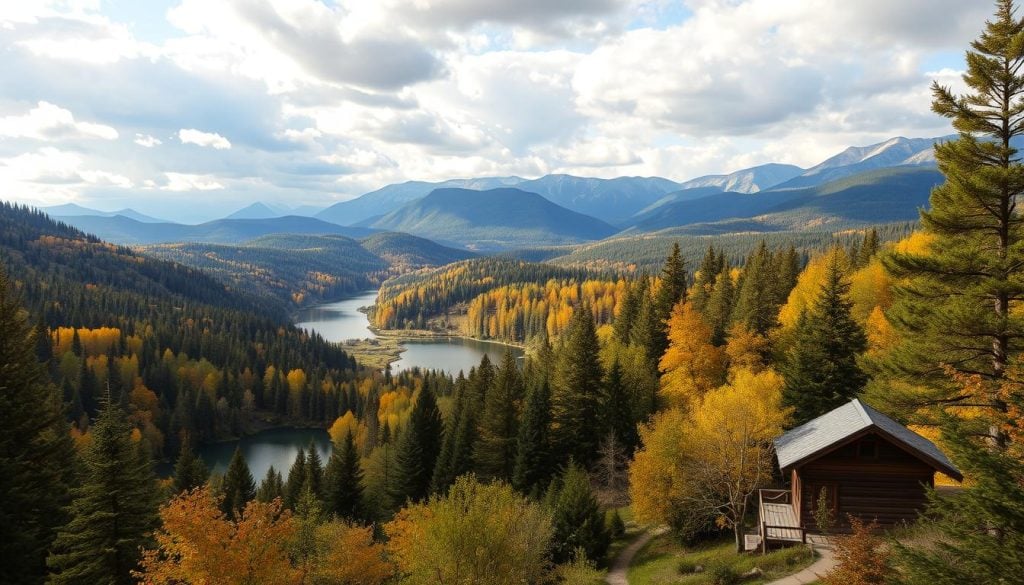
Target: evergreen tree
343 489
238 487
272 486
296 480
533 448
868 249
757 300
955 302
821 370
36 455
704 280
456 456
720 305
314 478
418 448
618 411
495 451
646 329
671 291
577 519
629 309
113 510
577 392
189 471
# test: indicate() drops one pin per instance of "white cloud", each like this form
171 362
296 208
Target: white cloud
190 182
200 138
147 141
50 175
49 122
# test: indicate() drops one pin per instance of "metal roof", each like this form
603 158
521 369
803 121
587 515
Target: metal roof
852 418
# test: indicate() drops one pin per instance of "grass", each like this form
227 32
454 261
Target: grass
665 561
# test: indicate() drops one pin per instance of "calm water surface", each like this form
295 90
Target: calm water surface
276 447
341 321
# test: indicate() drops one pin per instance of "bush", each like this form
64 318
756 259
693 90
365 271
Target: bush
724 575
687 567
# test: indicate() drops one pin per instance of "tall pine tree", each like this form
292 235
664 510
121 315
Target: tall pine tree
533 448
238 486
189 471
113 510
577 392
821 369
343 489
36 455
418 448
495 451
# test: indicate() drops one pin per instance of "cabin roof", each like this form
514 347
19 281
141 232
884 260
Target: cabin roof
851 420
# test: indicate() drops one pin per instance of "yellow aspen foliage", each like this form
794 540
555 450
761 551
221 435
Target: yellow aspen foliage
880 333
745 348
198 544
870 288
658 480
296 380
349 555
918 243
343 425
808 285
692 365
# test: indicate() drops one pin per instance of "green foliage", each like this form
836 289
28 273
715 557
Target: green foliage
189 471
238 488
36 456
343 489
271 488
113 510
296 480
406 252
495 450
533 447
956 301
418 449
821 369
577 392
670 293
577 519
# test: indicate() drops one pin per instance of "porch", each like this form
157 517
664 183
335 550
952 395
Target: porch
778 523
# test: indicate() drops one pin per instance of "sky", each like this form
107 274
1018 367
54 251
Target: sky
190 109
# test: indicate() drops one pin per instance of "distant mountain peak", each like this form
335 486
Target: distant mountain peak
750 180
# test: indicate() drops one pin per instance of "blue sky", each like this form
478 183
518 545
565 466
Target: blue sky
189 109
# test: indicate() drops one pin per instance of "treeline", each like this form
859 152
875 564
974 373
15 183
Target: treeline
410 301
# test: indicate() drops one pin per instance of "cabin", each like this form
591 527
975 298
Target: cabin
858 462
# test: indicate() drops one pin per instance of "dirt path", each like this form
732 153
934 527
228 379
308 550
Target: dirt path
618 573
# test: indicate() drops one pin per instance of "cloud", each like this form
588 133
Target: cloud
147 141
49 122
190 182
200 138
49 175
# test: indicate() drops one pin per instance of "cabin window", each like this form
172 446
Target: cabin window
868 449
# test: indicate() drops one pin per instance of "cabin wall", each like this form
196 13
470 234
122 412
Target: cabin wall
888 487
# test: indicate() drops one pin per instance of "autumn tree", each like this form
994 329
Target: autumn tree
198 543
476 533
576 392
113 510
36 454
821 369
862 557
692 365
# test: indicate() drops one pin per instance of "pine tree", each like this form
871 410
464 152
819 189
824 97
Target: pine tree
189 471
36 455
821 370
272 486
314 471
868 249
577 392
577 519
495 451
418 448
533 447
704 280
238 487
646 329
343 489
720 306
629 309
296 480
671 291
113 510
757 300
618 411
955 303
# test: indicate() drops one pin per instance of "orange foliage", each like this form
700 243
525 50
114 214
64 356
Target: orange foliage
692 365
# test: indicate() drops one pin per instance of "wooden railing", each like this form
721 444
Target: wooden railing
776 497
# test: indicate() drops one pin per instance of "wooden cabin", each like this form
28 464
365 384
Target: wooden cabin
866 464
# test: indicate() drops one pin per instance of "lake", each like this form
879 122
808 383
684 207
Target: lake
276 447
341 321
